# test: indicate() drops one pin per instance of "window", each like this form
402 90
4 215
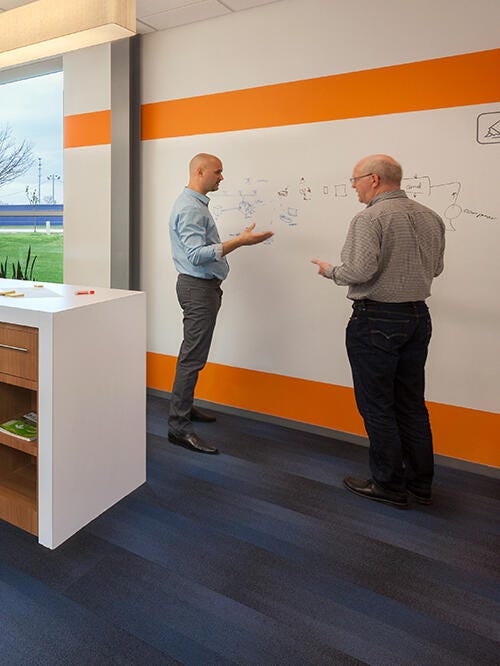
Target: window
31 196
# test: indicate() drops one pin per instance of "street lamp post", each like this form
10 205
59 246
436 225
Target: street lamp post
39 179
53 177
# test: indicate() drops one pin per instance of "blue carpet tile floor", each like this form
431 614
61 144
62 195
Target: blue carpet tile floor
260 556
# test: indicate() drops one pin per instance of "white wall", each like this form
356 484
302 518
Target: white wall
297 39
87 172
278 316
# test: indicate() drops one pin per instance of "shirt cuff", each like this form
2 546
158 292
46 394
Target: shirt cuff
218 251
329 273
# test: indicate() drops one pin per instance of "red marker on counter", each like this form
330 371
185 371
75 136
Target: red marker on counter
81 293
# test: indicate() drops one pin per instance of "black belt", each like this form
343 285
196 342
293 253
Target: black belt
367 301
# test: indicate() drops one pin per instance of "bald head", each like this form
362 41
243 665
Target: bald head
205 173
374 175
201 161
387 169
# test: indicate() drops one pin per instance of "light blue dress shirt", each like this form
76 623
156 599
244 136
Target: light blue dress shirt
196 246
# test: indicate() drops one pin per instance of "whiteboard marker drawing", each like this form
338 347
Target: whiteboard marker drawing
305 190
260 200
421 186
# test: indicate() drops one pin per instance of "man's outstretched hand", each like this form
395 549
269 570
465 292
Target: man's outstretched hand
248 237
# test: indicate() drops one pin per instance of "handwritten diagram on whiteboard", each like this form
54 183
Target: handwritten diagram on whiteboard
267 202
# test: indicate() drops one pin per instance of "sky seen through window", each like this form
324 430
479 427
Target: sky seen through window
34 110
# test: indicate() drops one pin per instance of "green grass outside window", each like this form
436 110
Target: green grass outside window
47 248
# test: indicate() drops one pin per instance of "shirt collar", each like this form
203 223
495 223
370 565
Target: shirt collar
204 199
393 194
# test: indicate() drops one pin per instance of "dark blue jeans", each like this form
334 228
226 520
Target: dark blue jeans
387 348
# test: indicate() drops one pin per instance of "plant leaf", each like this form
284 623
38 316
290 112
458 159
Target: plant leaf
27 262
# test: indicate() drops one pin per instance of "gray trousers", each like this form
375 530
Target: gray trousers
200 301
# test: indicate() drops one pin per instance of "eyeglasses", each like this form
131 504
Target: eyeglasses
355 178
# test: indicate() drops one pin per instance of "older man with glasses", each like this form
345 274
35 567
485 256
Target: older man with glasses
393 250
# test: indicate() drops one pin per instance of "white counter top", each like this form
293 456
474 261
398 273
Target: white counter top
52 297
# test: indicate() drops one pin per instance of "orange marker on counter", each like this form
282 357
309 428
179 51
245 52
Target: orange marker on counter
83 292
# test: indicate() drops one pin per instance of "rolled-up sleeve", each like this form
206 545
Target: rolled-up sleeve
191 227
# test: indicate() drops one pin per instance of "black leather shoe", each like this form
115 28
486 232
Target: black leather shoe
420 496
203 417
368 488
191 441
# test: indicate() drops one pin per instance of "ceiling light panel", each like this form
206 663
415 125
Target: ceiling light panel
45 28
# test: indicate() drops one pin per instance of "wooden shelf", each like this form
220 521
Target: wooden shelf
18 395
18 496
19 444
18 381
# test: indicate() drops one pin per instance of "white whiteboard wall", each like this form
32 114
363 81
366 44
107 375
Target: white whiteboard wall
278 316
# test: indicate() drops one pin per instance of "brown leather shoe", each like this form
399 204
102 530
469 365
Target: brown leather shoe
368 488
191 441
203 417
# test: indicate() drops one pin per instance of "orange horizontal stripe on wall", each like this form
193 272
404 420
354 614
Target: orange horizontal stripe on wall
87 129
466 434
430 84
288 397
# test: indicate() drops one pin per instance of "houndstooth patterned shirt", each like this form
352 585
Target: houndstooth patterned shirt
393 250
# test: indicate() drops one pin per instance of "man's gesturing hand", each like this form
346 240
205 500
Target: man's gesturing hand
324 268
247 237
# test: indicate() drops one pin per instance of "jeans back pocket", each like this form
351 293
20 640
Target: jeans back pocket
388 334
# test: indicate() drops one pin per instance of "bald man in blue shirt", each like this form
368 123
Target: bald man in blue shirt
200 259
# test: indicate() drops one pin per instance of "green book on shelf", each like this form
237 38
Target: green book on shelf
24 427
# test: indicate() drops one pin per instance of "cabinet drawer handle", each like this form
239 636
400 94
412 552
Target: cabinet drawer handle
22 349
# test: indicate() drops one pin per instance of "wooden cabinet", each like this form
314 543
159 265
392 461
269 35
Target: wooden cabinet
79 361
18 395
